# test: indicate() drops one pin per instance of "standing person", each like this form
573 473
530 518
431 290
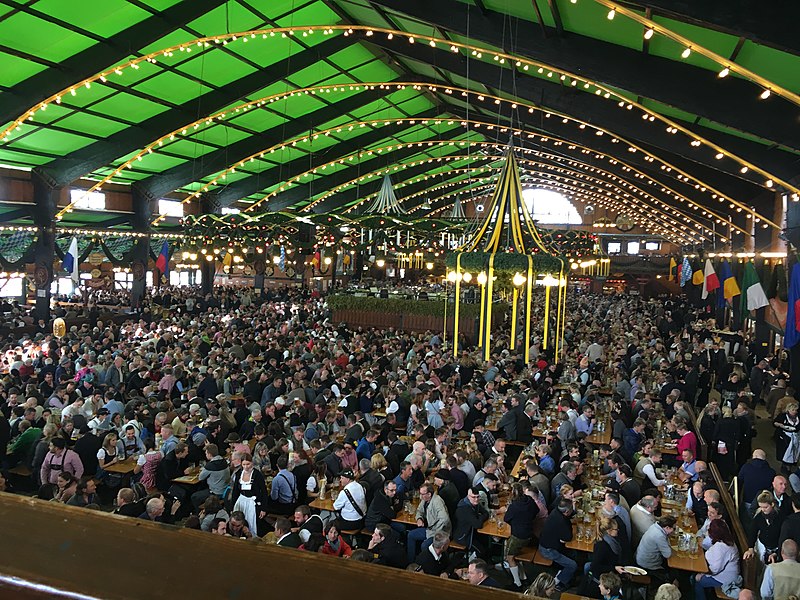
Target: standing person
787 439
782 579
725 443
765 528
722 558
59 459
249 492
520 515
147 464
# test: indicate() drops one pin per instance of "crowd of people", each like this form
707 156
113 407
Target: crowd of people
280 406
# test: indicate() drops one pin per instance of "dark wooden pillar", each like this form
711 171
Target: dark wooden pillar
209 204
143 208
45 196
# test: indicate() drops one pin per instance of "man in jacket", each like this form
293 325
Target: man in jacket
432 517
384 506
386 548
782 579
215 473
447 491
470 516
557 531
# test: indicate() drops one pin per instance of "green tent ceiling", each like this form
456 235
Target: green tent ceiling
595 92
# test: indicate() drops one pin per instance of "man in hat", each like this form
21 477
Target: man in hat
351 502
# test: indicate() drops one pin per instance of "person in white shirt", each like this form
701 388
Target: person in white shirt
351 502
73 409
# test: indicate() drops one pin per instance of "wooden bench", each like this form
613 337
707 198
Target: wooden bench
541 560
456 547
527 555
721 594
640 579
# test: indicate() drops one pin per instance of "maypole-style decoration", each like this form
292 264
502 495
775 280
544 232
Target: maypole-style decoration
508 243
386 203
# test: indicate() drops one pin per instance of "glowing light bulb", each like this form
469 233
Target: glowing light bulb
765 94
649 33
724 72
611 14
686 53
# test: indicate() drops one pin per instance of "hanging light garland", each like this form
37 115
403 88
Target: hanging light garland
502 58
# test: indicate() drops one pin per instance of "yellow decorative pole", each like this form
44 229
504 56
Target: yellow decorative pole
528 297
458 305
547 287
559 316
487 339
513 344
482 283
444 335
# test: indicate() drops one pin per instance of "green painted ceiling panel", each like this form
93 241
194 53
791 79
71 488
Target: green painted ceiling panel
15 69
313 74
228 17
720 43
56 142
41 38
83 97
778 67
160 4
115 16
171 87
591 19
257 119
312 14
351 57
218 67
135 109
20 158
265 52
97 125
174 38
523 10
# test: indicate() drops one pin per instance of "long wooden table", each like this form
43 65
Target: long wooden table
192 478
124 467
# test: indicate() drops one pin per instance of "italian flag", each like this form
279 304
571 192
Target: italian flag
753 296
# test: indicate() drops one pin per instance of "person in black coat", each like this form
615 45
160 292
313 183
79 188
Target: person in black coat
384 506
398 450
470 515
386 548
606 557
447 491
725 442
284 534
429 564
86 448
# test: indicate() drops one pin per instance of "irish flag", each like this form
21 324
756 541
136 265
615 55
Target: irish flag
710 280
753 296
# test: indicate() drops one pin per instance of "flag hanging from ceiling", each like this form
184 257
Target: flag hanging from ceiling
730 287
162 262
70 262
315 260
673 268
793 312
710 280
686 272
753 296
282 261
697 275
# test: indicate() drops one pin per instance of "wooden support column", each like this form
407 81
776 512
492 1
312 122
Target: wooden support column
143 209
45 195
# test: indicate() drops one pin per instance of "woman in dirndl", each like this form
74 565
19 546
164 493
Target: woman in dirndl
787 437
249 493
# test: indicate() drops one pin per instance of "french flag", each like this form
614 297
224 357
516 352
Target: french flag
710 279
